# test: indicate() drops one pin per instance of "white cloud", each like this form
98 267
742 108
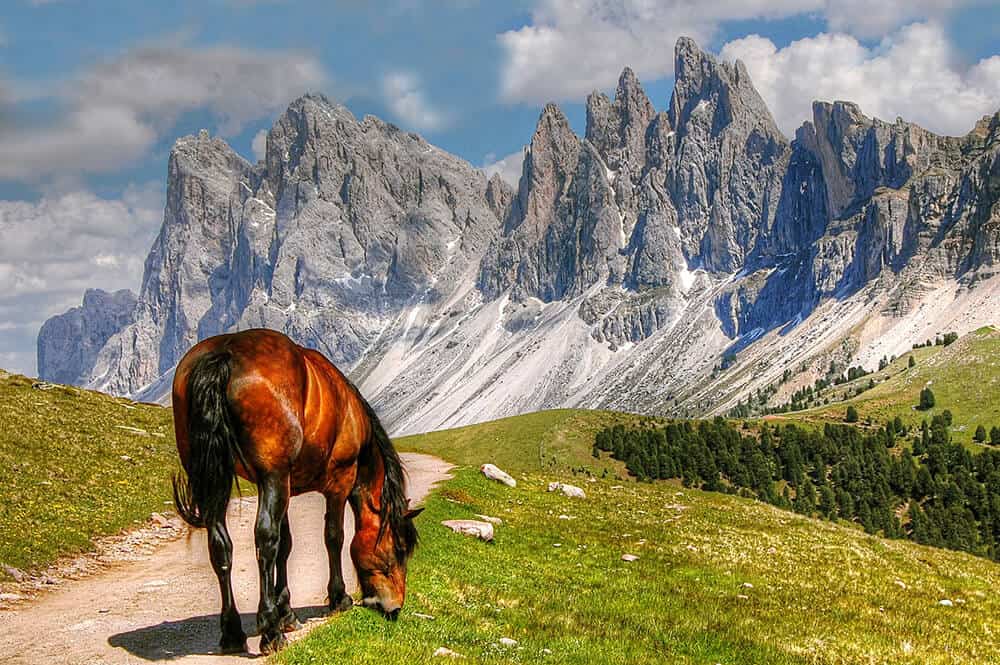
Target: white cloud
508 167
864 18
914 73
259 145
56 248
574 46
115 111
406 99
571 47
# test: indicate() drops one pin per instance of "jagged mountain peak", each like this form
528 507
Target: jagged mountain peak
617 129
706 87
618 273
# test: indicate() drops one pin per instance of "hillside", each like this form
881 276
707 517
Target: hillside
76 465
964 377
557 440
719 579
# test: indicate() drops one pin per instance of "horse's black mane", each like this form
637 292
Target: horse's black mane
394 504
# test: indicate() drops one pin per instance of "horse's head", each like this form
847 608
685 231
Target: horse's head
380 553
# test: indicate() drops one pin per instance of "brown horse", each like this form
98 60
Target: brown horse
256 405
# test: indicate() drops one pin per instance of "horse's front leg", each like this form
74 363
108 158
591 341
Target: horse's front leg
272 506
288 621
334 532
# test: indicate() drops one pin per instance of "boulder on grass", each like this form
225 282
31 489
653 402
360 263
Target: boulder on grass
494 473
480 530
569 490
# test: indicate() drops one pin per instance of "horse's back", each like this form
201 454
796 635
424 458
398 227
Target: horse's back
295 410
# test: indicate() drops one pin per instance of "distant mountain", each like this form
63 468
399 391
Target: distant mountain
670 261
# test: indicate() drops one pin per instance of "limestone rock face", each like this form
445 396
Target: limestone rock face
344 225
68 344
673 261
729 160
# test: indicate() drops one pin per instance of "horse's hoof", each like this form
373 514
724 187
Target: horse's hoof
290 624
230 645
345 603
273 644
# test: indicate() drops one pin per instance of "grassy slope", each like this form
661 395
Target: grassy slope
821 593
559 439
964 376
64 479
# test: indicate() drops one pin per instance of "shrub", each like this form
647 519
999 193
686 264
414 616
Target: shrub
980 435
926 399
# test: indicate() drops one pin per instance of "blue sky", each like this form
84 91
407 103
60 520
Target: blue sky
93 94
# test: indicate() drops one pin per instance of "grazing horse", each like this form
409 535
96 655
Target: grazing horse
256 405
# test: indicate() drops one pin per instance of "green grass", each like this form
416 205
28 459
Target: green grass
821 593
560 439
964 376
64 477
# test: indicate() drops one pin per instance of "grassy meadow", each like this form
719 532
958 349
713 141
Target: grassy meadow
719 579
558 439
964 376
76 465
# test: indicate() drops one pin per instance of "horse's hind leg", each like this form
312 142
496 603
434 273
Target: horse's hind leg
220 551
288 621
272 505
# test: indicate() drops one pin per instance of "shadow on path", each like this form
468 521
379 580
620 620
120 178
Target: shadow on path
195 636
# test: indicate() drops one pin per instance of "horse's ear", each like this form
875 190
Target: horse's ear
413 512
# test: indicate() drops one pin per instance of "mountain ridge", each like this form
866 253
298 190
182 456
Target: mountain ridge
622 270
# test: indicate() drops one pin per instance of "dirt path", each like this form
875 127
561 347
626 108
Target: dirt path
165 607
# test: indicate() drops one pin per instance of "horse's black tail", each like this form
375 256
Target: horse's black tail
203 496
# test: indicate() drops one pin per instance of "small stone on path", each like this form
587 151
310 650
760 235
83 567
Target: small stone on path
629 557
508 642
14 573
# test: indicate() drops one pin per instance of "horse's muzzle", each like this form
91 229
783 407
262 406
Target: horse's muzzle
393 615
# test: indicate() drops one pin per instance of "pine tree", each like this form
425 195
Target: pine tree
980 434
926 399
912 362
995 435
852 415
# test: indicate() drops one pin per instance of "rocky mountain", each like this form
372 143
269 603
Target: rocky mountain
674 261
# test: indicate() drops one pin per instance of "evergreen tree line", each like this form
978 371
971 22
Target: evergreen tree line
930 490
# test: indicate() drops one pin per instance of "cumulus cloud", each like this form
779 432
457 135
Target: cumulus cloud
571 47
508 167
115 111
404 94
914 73
574 46
56 248
864 18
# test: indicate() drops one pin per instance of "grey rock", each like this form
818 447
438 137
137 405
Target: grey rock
68 344
620 271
